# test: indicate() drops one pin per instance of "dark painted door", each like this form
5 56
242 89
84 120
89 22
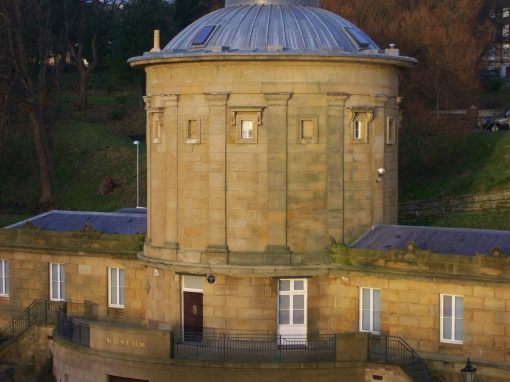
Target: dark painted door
193 319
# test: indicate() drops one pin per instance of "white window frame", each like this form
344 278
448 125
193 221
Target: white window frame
4 278
119 288
371 310
60 292
453 318
293 330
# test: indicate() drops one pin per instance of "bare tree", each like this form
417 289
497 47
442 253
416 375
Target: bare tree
448 37
87 23
27 27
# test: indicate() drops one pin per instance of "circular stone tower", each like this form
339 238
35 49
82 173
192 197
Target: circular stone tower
272 127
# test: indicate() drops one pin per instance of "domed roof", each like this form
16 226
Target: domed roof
270 27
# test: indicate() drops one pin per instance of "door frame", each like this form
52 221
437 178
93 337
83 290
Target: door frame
188 289
285 330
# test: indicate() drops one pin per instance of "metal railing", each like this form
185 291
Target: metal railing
72 329
39 312
395 350
253 348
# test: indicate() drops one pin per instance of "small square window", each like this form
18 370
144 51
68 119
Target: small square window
308 129
192 133
360 121
358 130
246 129
246 124
157 124
390 131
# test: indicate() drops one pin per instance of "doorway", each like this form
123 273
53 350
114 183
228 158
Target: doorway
192 308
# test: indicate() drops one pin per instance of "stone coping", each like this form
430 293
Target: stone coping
79 241
162 58
406 263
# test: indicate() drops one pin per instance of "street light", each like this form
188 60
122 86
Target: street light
137 143
469 372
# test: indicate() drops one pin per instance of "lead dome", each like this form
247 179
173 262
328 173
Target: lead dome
270 27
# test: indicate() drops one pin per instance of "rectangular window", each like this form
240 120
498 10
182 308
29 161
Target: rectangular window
4 278
390 131
192 133
292 302
308 129
245 122
246 129
116 288
358 130
452 322
370 310
57 282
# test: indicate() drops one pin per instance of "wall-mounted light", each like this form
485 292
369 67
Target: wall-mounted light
380 173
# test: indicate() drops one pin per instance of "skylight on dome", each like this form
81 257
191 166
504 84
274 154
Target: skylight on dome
359 37
203 35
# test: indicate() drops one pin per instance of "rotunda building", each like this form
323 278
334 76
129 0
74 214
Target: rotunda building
272 130
271 252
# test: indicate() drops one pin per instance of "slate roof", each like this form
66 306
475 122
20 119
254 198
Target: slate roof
105 222
457 241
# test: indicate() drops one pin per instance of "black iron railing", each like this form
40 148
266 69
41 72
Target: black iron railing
39 312
253 348
72 329
395 350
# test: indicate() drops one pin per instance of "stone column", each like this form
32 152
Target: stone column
379 133
217 250
335 165
277 104
170 137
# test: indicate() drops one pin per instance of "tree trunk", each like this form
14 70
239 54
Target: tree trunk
84 74
40 148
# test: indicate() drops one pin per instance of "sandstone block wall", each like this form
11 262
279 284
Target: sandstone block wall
86 284
277 191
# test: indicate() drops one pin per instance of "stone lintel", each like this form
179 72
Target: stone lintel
169 100
218 99
277 99
337 99
380 100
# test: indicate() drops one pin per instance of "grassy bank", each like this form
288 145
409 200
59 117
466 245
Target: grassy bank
88 147
462 164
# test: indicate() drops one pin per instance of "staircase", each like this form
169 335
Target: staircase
39 312
394 350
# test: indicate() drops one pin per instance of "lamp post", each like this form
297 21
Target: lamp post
137 143
468 372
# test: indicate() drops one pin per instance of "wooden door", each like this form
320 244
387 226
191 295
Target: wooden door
193 317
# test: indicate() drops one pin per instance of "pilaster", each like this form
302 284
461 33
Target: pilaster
155 171
335 165
217 250
277 108
378 182
170 137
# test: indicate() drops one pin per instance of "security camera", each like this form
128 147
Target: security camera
381 171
